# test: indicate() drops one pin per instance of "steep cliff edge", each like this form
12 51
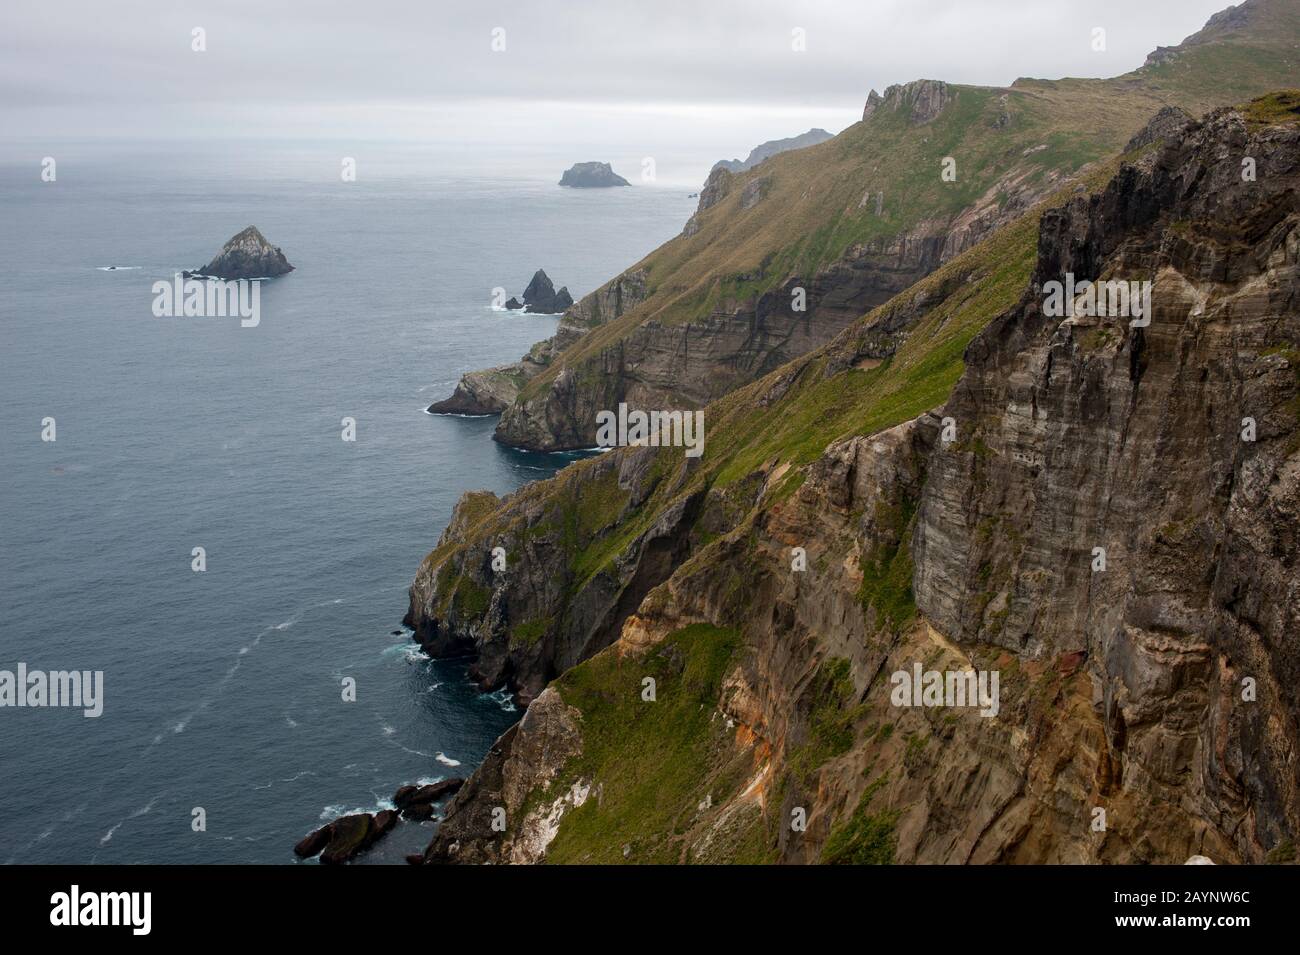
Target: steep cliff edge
956 538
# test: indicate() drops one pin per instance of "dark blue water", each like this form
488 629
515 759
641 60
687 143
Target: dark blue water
223 688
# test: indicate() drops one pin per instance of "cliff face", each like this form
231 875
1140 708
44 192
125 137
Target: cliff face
837 532
1089 434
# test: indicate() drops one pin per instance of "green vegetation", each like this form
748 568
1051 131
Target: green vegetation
864 838
530 631
832 721
1281 854
1275 108
653 762
887 569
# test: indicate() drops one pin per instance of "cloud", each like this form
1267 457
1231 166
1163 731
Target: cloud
90 67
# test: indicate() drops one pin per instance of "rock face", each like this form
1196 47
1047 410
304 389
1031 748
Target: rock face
1164 125
522 760
1162 687
873 102
591 175
772 148
1094 434
540 296
247 256
921 100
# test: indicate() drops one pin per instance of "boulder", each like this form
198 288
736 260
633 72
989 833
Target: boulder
385 820
312 843
349 836
435 791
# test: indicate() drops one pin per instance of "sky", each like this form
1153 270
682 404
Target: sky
721 74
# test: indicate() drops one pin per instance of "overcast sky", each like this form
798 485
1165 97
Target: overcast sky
425 69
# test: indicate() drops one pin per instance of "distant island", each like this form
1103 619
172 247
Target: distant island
246 256
771 148
592 175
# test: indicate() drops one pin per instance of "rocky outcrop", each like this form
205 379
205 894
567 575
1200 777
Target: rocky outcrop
771 148
541 296
346 837
1165 125
920 100
873 103
247 256
715 190
591 175
522 762
480 393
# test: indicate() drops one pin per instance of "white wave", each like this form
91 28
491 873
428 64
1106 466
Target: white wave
446 760
456 414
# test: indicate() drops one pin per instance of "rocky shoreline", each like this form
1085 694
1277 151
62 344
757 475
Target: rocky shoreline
347 837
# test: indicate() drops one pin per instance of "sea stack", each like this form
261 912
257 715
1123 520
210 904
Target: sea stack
247 256
591 175
540 296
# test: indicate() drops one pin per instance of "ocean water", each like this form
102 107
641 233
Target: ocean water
223 689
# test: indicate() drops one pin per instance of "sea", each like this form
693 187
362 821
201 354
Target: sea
252 700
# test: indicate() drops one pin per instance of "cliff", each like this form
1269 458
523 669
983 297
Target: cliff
928 490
